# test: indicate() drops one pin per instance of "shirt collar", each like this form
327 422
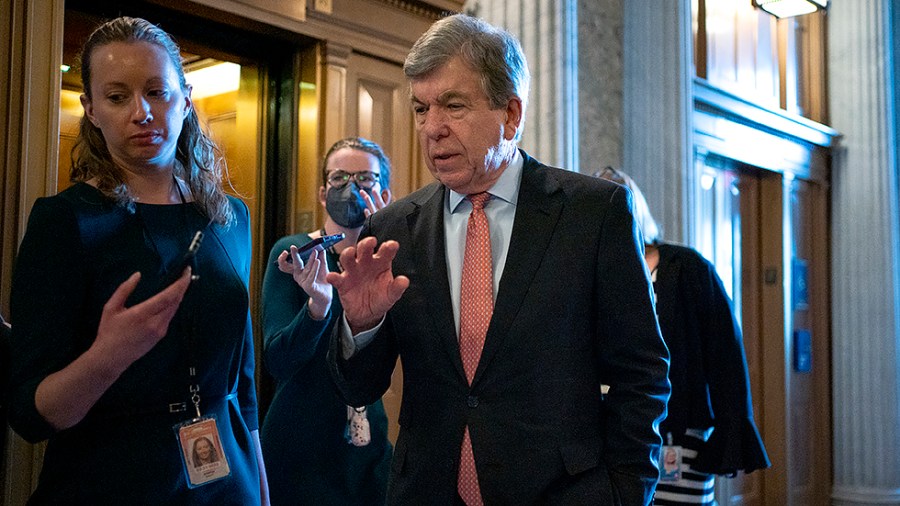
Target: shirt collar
506 187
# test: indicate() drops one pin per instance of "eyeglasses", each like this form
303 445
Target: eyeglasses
366 179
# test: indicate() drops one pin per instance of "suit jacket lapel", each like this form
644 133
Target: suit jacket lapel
537 211
426 227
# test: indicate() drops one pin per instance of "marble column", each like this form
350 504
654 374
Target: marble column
865 249
657 106
547 31
600 60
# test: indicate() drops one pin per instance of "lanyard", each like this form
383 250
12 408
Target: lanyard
188 327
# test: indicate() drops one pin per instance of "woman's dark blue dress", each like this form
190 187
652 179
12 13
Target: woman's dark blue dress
77 249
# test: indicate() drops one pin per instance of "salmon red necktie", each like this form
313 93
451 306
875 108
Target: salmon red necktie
476 306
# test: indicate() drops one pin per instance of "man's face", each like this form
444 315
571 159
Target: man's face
466 143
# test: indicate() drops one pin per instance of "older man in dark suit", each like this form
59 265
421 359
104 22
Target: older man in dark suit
520 289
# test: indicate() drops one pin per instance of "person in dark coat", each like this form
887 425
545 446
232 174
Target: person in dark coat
709 429
505 344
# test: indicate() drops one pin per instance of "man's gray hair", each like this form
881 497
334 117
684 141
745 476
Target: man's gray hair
492 52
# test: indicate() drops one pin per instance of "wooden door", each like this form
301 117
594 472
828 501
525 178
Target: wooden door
808 366
767 235
795 340
378 108
728 231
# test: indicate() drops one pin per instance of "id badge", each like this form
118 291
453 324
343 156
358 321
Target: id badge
357 432
201 451
670 463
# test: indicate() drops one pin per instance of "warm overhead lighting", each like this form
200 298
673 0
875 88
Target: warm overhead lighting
789 8
213 80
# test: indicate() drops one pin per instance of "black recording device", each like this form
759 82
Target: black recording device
326 241
186 260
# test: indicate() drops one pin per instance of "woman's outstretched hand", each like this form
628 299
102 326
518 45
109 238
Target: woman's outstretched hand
310 277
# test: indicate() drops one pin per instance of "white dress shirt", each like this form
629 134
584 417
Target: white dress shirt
501 213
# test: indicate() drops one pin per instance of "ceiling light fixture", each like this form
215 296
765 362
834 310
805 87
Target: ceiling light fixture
215 79
789 8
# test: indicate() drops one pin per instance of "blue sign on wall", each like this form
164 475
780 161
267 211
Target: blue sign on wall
802 350
799 285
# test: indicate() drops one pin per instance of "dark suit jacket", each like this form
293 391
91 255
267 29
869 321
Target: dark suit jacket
573 311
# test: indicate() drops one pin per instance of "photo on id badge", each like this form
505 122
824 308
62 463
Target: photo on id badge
670 464
202 454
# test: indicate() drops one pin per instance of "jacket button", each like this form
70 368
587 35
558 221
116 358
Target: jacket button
472 401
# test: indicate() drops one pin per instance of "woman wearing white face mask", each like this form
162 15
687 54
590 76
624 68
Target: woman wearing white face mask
320 450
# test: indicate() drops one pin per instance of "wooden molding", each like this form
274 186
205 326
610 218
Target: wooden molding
434 9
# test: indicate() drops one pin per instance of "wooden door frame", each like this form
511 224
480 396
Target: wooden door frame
31 36
773 297
777 327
